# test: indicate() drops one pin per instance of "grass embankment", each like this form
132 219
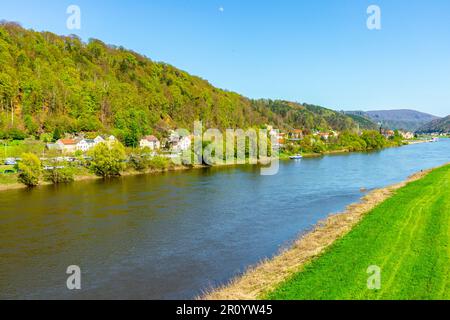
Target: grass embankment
407 236
403 229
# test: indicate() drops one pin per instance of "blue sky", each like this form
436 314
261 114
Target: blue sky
308 51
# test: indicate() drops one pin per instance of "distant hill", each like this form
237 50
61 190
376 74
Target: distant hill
409 120
436 126
291 115
364 122
50 82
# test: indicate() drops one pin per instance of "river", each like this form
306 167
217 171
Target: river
174 235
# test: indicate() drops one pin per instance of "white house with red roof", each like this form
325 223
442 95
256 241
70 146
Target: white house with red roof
150 142
67 145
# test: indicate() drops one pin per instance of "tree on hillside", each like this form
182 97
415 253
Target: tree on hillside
108 160
56 134
29 170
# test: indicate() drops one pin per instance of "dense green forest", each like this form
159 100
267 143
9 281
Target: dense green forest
50 82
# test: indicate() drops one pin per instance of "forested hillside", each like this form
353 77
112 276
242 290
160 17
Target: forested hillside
436 126
50 82
409 120
363 122
285 114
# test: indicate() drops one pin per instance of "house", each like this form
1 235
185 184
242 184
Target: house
84 145
183 144
388 133
67 145
111 140
174 137
407 135
324 135
150 142
281 138
296 135
78 144
98 140
179 143
53 147
273 133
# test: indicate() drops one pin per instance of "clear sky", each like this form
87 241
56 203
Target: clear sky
307 51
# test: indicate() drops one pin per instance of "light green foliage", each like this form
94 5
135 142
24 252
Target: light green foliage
107 160
397 139
61 173
407 237
46 137
140 159
374 140
289 115
78 154
159 163
346 141
63 85
14 149
29 170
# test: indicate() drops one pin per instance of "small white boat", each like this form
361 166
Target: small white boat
296 157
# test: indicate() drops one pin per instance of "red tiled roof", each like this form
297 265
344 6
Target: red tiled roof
151 139
68 142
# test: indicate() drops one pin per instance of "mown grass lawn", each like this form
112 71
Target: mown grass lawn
407 237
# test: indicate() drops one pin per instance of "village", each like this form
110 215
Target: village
79 144
175 143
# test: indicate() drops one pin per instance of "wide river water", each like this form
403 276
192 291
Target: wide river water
174 235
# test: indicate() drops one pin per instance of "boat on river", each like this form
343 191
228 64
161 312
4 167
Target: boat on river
296 157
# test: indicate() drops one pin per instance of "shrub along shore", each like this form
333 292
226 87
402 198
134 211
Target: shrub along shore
401 229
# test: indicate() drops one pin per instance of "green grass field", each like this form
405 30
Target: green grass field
407 237
6 179
15 149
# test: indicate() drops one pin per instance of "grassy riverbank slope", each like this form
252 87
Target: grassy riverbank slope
407 236
403 229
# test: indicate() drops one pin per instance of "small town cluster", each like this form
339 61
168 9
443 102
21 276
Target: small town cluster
298 134
78 142
177 143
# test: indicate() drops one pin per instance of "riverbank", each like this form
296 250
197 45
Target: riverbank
331 261
8 182
87 177
286 156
